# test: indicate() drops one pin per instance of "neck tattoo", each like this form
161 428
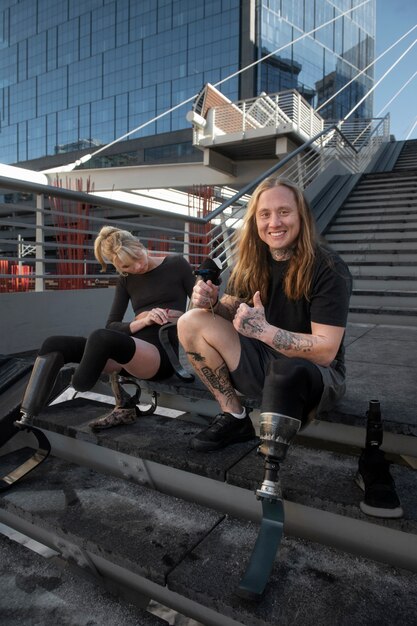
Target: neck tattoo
282 254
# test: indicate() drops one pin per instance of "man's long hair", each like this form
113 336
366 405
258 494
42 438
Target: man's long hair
252 269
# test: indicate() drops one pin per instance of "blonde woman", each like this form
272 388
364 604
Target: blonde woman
278 330
157 288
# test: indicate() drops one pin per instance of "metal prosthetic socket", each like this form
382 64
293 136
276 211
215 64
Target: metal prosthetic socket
41 382
276 434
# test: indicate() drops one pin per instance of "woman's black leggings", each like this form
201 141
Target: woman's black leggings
292 387
92 354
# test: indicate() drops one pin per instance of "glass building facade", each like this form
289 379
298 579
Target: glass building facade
320 64
77 74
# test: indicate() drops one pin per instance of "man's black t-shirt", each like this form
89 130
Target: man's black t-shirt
329 297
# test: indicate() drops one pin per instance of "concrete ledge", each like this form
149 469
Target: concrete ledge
139 529
36 590
310 584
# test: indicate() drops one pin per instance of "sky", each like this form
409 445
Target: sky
393 19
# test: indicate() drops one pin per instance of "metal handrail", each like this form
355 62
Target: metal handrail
194 236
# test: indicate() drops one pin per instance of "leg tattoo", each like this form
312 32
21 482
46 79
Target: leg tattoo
217 380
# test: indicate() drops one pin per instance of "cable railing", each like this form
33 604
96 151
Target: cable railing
48 244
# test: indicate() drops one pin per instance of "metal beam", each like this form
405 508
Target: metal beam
170 175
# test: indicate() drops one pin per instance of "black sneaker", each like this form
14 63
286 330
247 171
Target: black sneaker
224 430
375 480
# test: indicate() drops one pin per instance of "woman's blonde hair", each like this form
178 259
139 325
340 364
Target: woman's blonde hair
116 246
252 270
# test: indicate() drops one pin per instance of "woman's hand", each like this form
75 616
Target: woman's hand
204 295
159 316
156 316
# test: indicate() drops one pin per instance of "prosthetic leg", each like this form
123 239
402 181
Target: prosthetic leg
373 476
41 382
276 433
126 410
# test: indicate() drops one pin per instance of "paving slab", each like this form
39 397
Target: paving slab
37 591
310 584
380 365
137 528
154 438
324 480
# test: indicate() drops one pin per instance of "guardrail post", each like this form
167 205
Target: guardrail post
40 253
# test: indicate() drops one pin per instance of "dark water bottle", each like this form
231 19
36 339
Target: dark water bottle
374 432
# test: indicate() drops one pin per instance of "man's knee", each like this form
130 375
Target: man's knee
191 323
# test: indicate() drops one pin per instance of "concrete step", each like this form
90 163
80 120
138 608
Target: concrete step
383 283
375 257
405 227
178 550
375 246
384 298
362 218
384 198
44 590
387 178
393 210
388 192
394 315
389 236
404 272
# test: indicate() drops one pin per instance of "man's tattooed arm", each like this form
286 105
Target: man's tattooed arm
285 340
227 307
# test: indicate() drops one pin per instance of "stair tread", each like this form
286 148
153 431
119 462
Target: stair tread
35 590
309 584
111 517
153 438
195 551
324 479
240 465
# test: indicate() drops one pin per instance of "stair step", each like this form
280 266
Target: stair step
383 315
376 246
381 282
371 211
180 548
392 237
39 590
384 258
309 584
407 272
402 227
348 220
384 299
382 199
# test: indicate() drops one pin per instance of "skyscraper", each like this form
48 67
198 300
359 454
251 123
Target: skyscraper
75 74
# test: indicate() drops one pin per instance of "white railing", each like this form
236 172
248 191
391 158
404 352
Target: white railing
49 245
280 112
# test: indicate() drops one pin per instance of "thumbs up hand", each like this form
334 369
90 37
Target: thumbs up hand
250 321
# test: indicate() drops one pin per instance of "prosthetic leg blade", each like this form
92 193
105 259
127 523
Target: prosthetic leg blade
254 581
41 454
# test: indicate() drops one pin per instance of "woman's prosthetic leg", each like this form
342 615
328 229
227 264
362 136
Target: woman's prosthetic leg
38 390
41 382
291 389
55 352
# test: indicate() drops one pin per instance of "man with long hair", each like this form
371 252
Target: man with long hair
278 330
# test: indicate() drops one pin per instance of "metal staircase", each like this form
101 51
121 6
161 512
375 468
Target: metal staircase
375 231
135 510
407 158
